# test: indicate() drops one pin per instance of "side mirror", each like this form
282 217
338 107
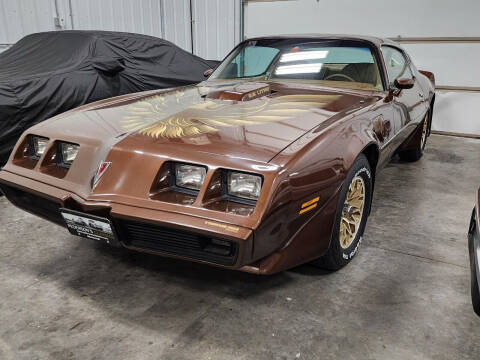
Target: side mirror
403 83
208 73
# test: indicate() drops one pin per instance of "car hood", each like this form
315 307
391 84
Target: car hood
244 120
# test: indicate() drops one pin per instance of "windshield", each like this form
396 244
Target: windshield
329 63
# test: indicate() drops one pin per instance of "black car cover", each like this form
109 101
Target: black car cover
45 74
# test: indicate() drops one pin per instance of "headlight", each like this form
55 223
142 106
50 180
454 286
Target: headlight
38 145
68 152
242 185
189 176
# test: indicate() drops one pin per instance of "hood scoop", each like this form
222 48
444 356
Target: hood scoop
241 92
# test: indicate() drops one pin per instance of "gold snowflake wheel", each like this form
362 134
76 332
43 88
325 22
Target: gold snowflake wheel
352 212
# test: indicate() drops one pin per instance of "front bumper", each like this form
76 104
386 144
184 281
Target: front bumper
474 252
153 231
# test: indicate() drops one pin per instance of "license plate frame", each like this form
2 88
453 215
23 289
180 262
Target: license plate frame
89 226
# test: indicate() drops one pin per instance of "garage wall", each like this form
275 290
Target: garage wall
140 16
167 19
216 27
176 23
438 34
208 28
21 17
376 17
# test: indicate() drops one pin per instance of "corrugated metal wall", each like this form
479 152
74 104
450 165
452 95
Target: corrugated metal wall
177 23
138 16
214 31
21 17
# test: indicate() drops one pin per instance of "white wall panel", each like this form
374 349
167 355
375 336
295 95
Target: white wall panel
384 18
457 112
216 27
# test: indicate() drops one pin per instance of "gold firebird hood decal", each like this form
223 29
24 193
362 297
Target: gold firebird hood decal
186 112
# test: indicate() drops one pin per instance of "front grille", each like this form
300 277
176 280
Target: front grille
33 203
177 242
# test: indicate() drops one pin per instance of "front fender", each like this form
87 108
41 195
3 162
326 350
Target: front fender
315 174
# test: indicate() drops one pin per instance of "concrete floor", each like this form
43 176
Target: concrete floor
405 295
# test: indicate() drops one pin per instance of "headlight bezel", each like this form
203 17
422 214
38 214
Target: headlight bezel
32 153
235 198
61 162
182 189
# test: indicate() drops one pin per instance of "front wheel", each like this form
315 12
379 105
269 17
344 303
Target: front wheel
352 212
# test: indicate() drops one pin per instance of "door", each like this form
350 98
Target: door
408 103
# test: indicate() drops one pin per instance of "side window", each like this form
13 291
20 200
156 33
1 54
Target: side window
396 64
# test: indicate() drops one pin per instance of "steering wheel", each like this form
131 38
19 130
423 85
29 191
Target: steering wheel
343 76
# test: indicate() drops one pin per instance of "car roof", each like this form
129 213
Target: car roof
372 39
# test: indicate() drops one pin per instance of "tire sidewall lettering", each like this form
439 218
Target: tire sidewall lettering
365 170
348 256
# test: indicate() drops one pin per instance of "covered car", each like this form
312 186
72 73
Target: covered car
48 73
268 164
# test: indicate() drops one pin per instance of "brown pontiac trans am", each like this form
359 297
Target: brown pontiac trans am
268 164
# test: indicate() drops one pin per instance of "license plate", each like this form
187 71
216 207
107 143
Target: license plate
88 226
